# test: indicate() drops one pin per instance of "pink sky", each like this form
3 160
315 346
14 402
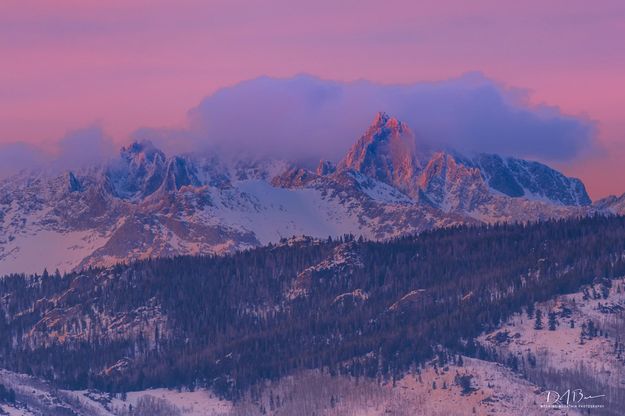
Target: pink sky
126 64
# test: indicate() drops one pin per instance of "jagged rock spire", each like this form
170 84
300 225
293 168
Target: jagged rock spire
387 152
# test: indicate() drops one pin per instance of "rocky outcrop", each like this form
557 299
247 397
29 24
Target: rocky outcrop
386 152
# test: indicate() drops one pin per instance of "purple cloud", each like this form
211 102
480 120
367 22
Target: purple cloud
84 147
15 157
307 118
78 148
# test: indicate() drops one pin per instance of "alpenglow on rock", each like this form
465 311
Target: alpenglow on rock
386 152
390 153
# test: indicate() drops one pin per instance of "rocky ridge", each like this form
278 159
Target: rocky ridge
146 204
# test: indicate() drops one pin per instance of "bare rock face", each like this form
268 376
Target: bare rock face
293 178
452 184
522 178
325 167
386 152
139 172
147 204
73 184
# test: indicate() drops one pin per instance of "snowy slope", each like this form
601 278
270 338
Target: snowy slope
431 391
572 354
36 397
274 213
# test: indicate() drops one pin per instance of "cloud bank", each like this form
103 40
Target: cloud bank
77 149
305 118
84 147
17 156
308 118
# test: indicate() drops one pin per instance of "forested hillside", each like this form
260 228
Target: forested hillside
350 306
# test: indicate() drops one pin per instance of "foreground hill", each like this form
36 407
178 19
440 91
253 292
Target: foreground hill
146 204
364 309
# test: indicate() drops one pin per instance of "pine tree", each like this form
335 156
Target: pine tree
538 323
552 323
591 329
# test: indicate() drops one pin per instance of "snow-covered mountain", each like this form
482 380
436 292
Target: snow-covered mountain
612 204
388 152
147 204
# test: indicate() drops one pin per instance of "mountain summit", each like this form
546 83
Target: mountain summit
386 152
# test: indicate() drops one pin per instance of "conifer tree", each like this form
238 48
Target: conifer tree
538 323
552 321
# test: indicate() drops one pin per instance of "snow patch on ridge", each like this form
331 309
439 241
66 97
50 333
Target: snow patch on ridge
31 252
276 213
